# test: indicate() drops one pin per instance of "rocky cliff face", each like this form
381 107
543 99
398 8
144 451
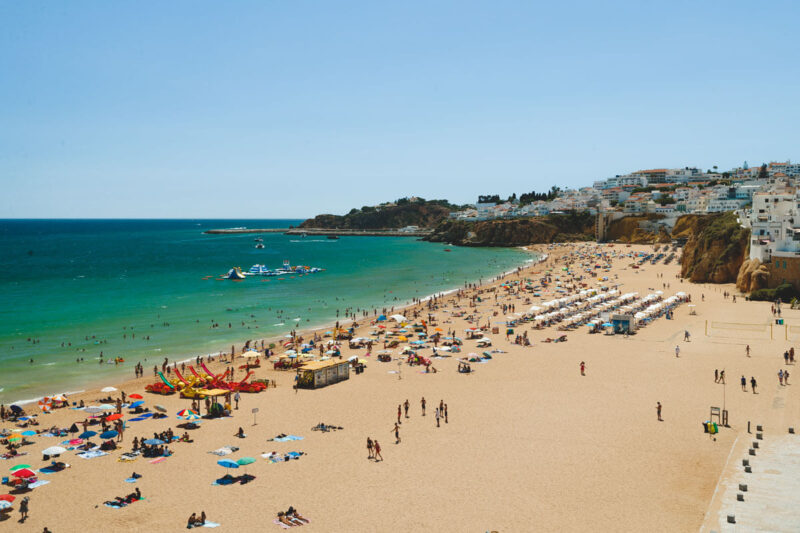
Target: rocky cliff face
716 247
516 232
753 275
424 215
627 230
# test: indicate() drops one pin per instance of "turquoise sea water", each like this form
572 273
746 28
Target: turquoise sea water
94 285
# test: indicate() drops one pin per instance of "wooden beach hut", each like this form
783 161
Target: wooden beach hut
316 374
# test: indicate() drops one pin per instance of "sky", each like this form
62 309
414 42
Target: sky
267 109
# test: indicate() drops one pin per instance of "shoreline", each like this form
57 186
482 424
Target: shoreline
95 384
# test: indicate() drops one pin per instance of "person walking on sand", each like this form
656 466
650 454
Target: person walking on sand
686 336
677 351
716 375
744 383
445 413
370 449
780 376
437 417
399 413
236 399
785 377
396 430
23 509
583 368
658 411
747 350
406 405
422 402
378 456
753 384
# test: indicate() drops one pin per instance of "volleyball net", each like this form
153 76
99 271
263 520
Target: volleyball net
745 330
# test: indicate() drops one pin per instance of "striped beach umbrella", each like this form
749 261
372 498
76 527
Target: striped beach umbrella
18 467
187 412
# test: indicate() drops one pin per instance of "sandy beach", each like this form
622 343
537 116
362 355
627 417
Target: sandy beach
530 443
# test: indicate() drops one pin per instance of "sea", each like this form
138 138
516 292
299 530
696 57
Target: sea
146 290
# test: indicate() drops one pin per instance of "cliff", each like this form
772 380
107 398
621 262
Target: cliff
423 214
627 230
516 232
716 247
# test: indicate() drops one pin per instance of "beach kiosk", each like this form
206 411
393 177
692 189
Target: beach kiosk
623 323
316 374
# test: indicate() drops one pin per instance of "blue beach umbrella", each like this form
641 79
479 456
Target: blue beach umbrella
227 463
136 404
87 434
154 442
28 433
108 434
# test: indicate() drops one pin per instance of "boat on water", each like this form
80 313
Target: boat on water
260 245
333 237
258 239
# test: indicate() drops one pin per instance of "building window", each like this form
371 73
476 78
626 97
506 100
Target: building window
777 263
784 264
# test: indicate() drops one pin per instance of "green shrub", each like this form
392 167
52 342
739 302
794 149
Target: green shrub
763 295
785 292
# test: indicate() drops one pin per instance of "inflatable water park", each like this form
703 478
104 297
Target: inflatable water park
287 269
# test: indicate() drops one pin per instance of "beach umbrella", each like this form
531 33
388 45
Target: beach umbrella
134 405
45 404
226 463
108 434
54 450
108 389
16 408
87 434
136 396
75 442
251 354
245 461
111 418
106 406
93 409
18 467
15 436
4 504
59 398
7 498
160 408
28 433
24 473
186 412
153 442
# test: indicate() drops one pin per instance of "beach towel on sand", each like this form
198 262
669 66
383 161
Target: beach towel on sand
38 484
91 454
225 450
287 438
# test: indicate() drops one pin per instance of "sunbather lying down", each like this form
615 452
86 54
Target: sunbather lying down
291 518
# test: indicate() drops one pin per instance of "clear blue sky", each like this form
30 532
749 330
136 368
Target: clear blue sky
292 108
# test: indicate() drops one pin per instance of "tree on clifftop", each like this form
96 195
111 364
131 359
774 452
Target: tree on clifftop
762 172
